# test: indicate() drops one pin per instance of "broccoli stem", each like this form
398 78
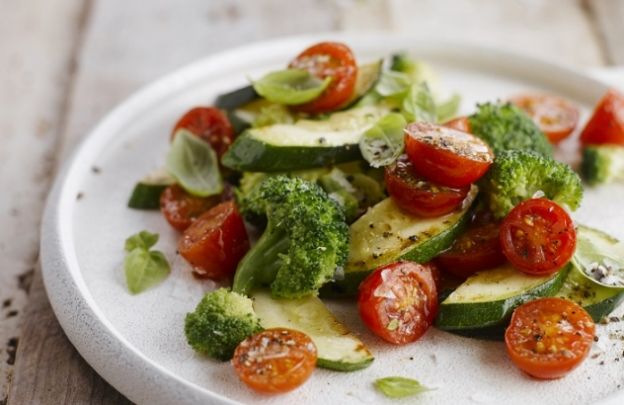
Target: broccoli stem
261 263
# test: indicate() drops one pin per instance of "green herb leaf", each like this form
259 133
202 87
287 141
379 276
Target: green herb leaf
291 86
399 387
392 83
194 165
383 143
419 105
448 109
144 240
144 268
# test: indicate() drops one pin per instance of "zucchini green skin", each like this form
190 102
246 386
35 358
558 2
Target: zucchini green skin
250 154
146 196
494 333
601 309
234 99
420 253
467 316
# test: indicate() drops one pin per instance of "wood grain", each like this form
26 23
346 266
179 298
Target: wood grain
609 18
555 29
50 370
37 40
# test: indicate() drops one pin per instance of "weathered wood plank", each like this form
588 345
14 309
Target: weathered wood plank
553 29
609 17
50 370
37 41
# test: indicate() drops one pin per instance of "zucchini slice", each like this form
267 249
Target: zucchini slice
488 298
598 300
367 77
597 289
386 234
600 257
303 145
236 98
146 193
338 349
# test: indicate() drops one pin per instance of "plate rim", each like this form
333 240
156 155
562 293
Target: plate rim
72 303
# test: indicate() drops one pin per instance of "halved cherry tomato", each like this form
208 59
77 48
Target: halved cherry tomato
328 59
181 209
215 242
459 123
211 125
476 249
275 360
538 237
398 302
549 337
446 156
418 196
606 126
554 115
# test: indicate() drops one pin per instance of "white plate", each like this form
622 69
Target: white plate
137 343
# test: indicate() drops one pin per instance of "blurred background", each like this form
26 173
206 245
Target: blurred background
65 63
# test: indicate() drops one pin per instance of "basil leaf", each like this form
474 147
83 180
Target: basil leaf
448 109
418 104
399 387
383 143
291 86
194 165
144 269
144 240
392 83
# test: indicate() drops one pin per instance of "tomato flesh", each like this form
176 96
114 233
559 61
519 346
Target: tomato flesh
181 209
418 196
606 126
211 125
275 360
549 337
459 123
328 59
215 242
446 156
555 116
476 249
398 302
538 237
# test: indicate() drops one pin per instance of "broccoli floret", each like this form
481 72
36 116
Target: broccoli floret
305 240
220 322
517 175
506 127
603 164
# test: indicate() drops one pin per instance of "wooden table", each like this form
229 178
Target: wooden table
64 63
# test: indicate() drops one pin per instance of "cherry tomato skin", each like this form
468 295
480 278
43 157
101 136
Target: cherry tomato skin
329 59
446 156
555 116
398 302
606 126
476 249
538 237
211 125
275 360
215 242
181 209
549 337
420 197
459 123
